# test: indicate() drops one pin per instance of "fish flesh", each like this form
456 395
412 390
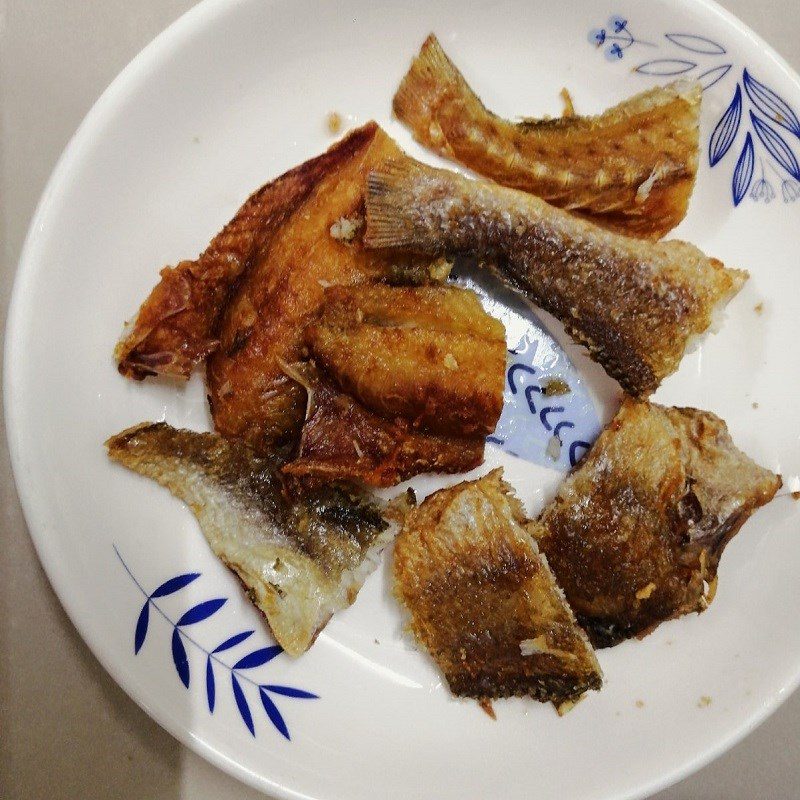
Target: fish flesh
319 245
636 305
300 559
343 440
483 602
176 326
428 354
636 532
631 169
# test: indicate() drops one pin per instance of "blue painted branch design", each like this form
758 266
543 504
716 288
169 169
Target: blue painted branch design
180 658
762 144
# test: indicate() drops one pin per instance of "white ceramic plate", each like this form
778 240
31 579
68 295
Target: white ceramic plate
232 95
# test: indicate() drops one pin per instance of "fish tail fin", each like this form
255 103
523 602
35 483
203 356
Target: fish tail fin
431 77
392 205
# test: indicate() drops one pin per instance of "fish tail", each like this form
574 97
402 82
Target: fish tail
392 205
431 78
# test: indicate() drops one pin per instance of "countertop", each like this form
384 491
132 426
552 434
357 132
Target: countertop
68 731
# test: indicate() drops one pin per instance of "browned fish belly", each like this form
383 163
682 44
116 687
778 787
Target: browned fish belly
636 533
343 440
631 169
175 328
300 561
483 601
634 304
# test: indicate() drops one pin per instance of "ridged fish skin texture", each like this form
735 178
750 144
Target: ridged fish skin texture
631 169
482 600
636 305
300 559
636 532
343 440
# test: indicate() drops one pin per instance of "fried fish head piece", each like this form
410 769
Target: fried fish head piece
343 440
631 169
300 560
483 602
636 532
176 326
430 355
636 305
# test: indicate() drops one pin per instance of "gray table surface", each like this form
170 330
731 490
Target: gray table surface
68 731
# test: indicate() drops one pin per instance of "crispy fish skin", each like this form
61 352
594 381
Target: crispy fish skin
631 169
637 531
300 561
480 595
342 440
175 328
430 355
251 397
635 305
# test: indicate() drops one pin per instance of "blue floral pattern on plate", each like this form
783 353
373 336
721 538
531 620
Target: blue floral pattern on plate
766 156
213 661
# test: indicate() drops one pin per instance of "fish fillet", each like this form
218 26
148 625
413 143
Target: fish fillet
630 169
342 440
636 305
636 532
175 328
300 561
483 601
430 355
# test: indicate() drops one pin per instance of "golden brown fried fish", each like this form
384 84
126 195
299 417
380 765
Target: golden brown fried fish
631 169
342 440
635 534
636 305
175 328
483 601
430 355
300 561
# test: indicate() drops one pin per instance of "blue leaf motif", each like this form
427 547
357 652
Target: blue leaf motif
771 105
175 584
202 611
743 173
180 658
696 44
512 371
665 67
725 132
233 641
711 76
545 412
141 627
211 689
561 425
241 703
574 458
258 657
290 691
274 715
776 145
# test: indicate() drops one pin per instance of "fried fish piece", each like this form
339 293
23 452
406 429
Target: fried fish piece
342 440
483 601
637 531
319 245
430 354
300 561
175 328
630 169
636 305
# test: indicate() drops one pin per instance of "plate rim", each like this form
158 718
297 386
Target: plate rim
182 27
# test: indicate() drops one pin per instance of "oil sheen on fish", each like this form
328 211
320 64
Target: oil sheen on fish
300 560
175 328
343 440
636 305
630 169
482 600
637 531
